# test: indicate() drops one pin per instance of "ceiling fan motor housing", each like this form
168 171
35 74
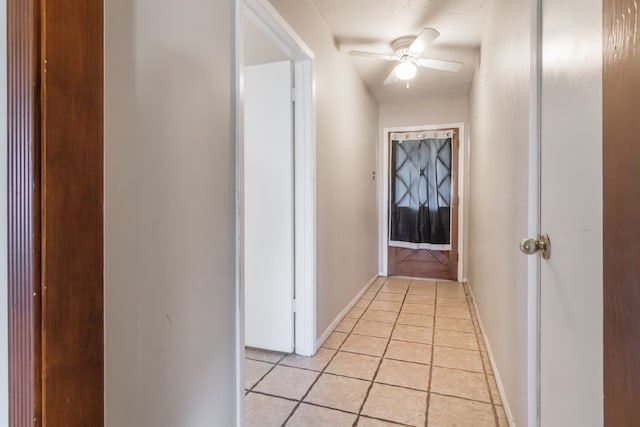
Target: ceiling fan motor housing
401 48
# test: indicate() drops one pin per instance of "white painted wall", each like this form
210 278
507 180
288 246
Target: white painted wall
432 111
428 111
498 189
4 332
346 123
268 206
169 213
571 184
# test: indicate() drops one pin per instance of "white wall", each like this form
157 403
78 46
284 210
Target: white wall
4 333
346 122
431 111
498 202
169 213
425 112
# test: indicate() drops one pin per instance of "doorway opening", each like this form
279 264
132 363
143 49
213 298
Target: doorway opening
275 136
417 239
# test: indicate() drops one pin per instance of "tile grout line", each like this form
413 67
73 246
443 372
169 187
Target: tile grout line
433 346
474 319
331 360
247 391
371 382
359 414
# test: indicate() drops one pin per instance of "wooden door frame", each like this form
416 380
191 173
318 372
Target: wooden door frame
55 212
621 207
383 166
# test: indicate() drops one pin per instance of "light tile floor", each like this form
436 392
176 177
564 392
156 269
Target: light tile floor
408 353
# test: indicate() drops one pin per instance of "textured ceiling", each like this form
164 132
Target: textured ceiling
371 25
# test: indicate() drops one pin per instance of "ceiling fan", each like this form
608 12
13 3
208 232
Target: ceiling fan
408 51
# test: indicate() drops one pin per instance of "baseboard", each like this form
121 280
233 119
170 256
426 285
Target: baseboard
496 372
344 312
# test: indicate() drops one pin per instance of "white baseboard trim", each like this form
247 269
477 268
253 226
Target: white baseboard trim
496 372
344 312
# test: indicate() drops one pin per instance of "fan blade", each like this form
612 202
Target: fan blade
391 79
424 39
372 55
438 64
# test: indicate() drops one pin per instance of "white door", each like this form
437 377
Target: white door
268 207
571 305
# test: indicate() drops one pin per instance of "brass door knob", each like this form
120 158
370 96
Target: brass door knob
533 246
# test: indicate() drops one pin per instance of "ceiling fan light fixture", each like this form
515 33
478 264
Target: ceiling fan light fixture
406 71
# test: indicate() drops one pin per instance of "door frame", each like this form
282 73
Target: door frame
534 215
266 16
383 166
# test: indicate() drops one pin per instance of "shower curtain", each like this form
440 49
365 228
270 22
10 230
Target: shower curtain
420 208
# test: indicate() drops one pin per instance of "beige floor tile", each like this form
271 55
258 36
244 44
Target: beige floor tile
403 374
470 385
375 286
394 289
253 371
266 411
363 303
457 358
370 422
354 365
483 347
420 299
493 387
385 306
373 346
388 296
337 392
346 325
397 281
314 416
263 355
287 382
458 313
447 338
423 291
452 295
409 351
369 295
412 333
487 362
502 417
453 302
335 340
423 309
445 411
449 323
396 404
424 284
374 329
355 313
415 320
315 363
449 285
380 316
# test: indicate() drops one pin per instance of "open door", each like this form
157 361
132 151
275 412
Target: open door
268 207
565 343
423 204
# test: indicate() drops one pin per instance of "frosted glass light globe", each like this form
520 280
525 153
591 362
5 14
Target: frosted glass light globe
406 71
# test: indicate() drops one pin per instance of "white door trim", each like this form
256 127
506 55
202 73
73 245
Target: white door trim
534 224
304 175
383 191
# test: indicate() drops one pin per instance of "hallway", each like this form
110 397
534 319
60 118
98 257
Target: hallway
410 352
